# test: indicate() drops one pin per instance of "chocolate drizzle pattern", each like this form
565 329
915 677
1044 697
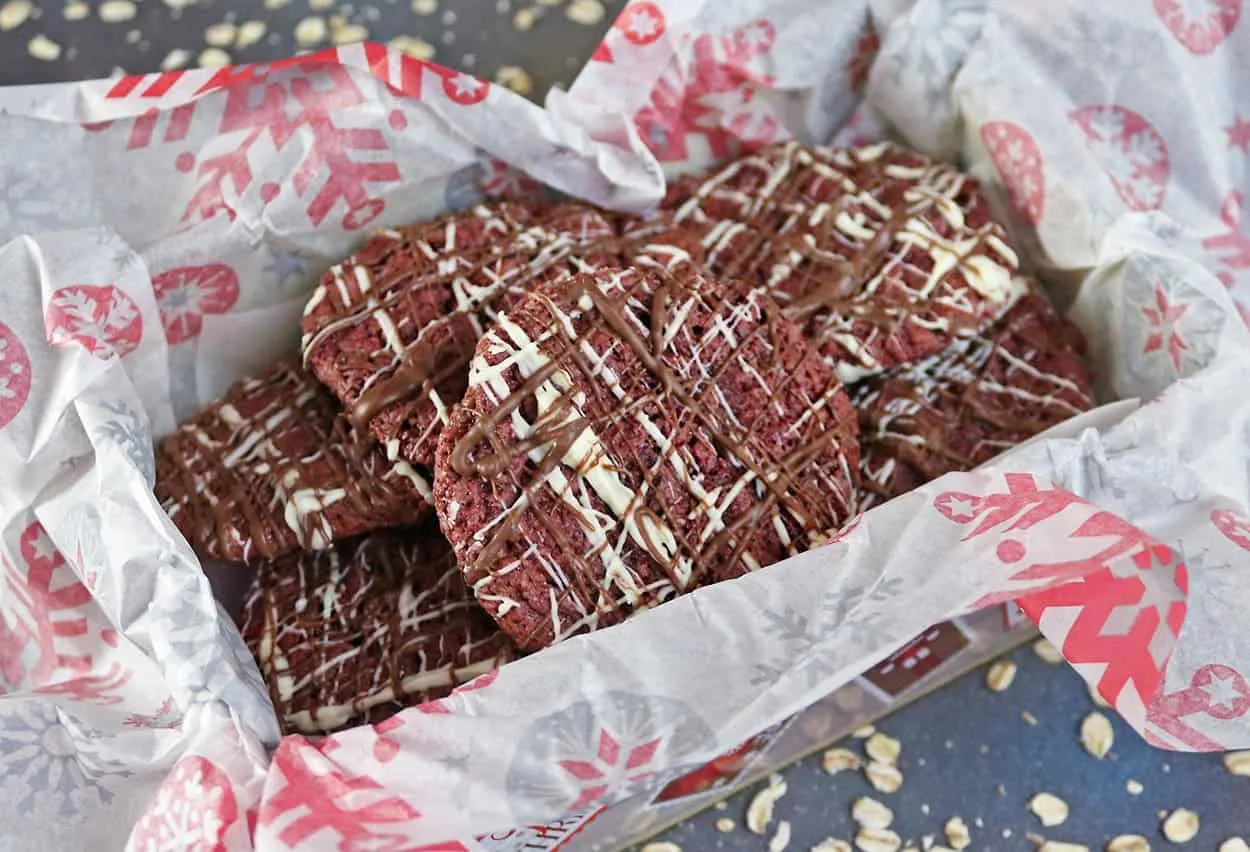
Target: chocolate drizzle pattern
391 330
358 632
272 466
631 434
965 405
881 255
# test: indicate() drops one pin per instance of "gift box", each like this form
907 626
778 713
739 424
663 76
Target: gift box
160 235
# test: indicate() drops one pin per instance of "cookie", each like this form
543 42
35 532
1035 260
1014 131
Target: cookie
272 467
631 434
391 330
881 255
356 633
970 402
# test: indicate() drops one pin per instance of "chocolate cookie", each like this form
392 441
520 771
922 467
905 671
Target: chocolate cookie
631 434
391 330
272 466
881 255
358 632
970 402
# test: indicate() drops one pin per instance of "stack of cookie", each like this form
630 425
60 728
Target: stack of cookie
523 422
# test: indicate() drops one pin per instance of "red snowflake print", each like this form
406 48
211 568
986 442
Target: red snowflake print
1129 150
639 24
104 320
608 767
1200 25
716 95
1019 163
193 809
860 63
12 643
1231 247
960 508
305 109
1215 690
14 375
1239 134
501 180
318 796
165 718
1234 527
187 293
1163 316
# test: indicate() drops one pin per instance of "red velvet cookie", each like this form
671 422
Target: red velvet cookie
881 255
965 405
272 467
632 434
391 329
356 633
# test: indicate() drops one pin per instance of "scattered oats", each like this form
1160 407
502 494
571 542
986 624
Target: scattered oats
43 48
1238 763
550 2
1060 846
883 748
179 5
414 47
661 846
957 833
15 13
220 35
926 842
1097 698
76 11
864 732
870 813
1049 808
276 4
515 79
1128 843
924 808
213 57
877 840
760 811
722 805
425 7
837 759
342 32
250 32
979 823
449 37
1234 844
984 749
585 12
116 11
1000 675
1034 838
177 58
1133 787
449 18
781 839
830 844
133 36
320 5
1007 833
1166 768
1000 790
725 825
920 761
1047 652
1097 735
950 744
1180 826
883 776
524 19
1028 717
310 31
502 7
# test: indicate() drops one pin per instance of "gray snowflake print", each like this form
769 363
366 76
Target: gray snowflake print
41 180
47 753
129 430
933 44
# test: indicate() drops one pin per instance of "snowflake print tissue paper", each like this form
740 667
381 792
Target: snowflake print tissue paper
157 233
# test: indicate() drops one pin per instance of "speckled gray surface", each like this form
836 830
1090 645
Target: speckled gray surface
966 751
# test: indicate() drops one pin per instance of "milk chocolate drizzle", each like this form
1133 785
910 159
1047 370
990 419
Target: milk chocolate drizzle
804 489
960 408
357 632
795 219
272 466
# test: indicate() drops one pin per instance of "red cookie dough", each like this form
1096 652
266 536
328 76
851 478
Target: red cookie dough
356 633
965 405
272 467
881 255
392 328
632 434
